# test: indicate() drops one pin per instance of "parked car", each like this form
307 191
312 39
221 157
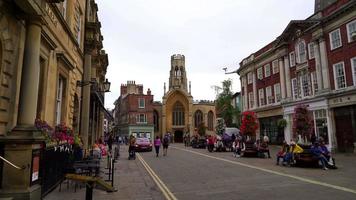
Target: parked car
143 144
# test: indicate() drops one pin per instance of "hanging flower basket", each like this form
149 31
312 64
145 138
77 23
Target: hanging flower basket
282 123
249 123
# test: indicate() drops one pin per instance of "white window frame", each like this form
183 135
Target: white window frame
269 95
250 99
348 31
335 78
314 82
353 67
277 95
261 97
300 53
292 59
249 78
294 82
138 118
305 88
311 50
140 100
332 47
267 68
260 73
59 99
275 67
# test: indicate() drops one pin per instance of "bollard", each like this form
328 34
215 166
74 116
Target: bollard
112 172
89 190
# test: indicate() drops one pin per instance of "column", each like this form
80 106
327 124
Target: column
84 127
288 128
30 75
330 119
254 89
287 75
245 99
324 64
282 78
319 76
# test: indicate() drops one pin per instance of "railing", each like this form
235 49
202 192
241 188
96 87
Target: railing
11 164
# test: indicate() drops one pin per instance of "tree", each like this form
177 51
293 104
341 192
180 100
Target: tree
302 123
201 129
220 126
224 107
249 123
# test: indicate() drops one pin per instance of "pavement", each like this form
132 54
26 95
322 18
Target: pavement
188 173
131 181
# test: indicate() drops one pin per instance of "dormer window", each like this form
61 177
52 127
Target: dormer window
301 53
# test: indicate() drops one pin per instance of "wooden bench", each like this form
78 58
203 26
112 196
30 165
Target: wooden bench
306 158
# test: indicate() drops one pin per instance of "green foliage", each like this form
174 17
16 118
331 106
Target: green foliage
220 126
202 129
282 123
224 106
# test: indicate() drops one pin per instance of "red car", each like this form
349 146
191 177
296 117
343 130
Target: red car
143 144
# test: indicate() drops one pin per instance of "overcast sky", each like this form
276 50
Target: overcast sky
141 35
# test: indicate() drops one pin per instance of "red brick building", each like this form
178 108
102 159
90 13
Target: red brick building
134 111
313 62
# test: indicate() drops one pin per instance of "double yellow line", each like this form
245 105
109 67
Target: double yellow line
166 192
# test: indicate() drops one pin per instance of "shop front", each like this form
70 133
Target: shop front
345 127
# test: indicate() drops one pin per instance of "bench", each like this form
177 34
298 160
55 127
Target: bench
306 158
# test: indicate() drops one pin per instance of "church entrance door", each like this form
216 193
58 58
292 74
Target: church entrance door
178 136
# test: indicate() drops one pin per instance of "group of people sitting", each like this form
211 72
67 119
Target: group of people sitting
318 150
259 147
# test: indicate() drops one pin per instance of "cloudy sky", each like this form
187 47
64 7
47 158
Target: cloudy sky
141 35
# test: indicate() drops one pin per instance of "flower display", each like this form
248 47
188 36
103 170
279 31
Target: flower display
302 122
249 123
60 134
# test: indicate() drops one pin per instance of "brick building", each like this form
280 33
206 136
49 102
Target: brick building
313 62
134 111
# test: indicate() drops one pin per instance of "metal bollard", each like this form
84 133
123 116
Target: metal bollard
89 190
112 172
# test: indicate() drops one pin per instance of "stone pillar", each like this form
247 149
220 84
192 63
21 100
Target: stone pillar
254 89
282 78
84 127
30 75
22 146
245 93
319 76
287 75
324 64
288 128
330 119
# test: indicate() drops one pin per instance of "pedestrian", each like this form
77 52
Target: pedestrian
157 144
165 144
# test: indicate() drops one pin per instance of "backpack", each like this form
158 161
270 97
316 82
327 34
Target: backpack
165 140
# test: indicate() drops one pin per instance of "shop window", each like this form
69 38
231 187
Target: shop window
321 124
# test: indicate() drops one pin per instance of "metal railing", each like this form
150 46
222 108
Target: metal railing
11 164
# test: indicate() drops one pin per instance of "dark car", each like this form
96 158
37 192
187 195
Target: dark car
143 144
200 143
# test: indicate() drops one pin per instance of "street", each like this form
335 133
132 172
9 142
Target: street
197 174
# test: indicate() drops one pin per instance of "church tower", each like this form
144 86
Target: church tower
178 77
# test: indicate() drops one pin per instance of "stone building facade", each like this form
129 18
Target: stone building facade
313 62
179 113
134 111
43 48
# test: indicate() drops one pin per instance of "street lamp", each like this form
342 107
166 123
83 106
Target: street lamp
106 85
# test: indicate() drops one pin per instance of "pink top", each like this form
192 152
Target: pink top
157 142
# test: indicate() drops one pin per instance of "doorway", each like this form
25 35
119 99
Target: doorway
345 120
178 136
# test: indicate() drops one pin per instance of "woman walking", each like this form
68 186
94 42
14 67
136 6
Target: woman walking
157 144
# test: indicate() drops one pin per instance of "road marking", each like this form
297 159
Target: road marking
275 172
166 192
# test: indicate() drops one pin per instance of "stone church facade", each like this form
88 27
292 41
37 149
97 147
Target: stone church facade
179 113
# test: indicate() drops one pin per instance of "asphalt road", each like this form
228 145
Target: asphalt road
188 173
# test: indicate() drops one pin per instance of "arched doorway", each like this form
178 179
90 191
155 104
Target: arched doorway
178 136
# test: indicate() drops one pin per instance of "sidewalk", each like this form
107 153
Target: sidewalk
130 179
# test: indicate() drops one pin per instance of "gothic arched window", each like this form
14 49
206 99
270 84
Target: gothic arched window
178 114
210 121
198 118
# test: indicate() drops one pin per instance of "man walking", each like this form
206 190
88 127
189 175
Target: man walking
165 144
